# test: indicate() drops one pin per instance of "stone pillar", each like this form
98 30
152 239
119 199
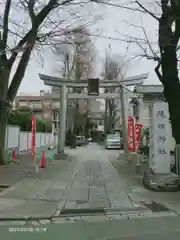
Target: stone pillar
159 176
62 118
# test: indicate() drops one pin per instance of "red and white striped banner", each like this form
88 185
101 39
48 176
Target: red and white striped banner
33 142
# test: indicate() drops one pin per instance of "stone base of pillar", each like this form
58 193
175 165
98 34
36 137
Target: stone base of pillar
61 156
52 147
161 182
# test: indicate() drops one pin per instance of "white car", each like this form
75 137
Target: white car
80 141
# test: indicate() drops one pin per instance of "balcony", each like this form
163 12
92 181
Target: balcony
35 106
22 104
24 108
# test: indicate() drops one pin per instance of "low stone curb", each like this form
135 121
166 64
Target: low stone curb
171 185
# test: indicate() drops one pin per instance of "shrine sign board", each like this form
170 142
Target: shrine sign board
160 149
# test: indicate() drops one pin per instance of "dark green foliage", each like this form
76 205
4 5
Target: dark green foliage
23 119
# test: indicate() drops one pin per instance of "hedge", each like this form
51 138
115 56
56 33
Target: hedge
24 120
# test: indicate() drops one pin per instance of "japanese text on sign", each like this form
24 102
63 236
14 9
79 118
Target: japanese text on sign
161 138
160 147
160 113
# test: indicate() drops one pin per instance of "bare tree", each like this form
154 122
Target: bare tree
113 69
79 51
167 15
26 25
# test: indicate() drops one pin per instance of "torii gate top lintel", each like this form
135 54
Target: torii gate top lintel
56 81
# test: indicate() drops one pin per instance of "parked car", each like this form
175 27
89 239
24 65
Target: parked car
113 141
80 140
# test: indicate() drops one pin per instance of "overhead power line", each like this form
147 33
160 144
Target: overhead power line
119 6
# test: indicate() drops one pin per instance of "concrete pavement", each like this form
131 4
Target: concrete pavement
93 195
154 228
40 194
88 183
135 189
20 169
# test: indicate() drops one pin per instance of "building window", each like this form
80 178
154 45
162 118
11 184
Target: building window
46 104
47 115
23 103
35 104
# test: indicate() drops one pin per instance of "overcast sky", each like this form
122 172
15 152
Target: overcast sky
113 24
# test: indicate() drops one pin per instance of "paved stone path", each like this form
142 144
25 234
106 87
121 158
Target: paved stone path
96 183
87 180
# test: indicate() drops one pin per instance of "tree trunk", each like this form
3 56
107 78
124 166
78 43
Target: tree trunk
86 129
4 109
76 117
172 89
109 116
113 119
106 116
3 122
173 99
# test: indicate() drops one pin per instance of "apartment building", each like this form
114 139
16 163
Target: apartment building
40 106
46 106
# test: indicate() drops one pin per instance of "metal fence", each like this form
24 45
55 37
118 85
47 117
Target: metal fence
21 141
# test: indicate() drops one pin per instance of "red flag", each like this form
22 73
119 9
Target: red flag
139 128
131 134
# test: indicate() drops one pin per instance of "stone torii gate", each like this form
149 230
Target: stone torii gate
64 83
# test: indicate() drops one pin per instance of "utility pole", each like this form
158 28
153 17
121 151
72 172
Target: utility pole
124 121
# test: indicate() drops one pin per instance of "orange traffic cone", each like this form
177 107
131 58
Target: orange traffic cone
13 155
43 161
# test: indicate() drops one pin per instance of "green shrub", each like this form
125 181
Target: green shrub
24 120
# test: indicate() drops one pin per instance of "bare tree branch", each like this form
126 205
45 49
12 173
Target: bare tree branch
20 71
156 58
31 4
114 67
176 10
146 10
6 23
38 20
158 73
79 49
119 6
